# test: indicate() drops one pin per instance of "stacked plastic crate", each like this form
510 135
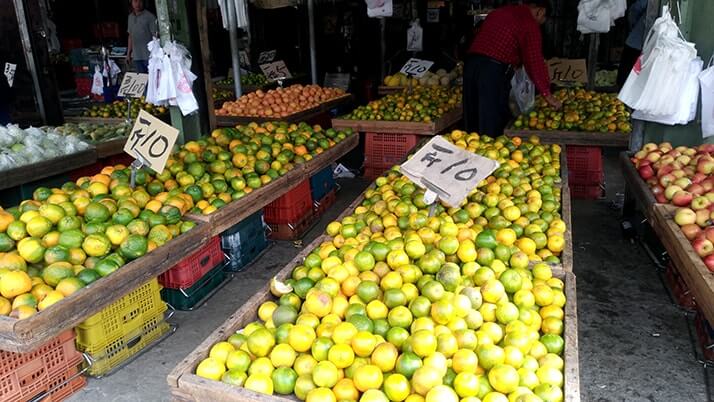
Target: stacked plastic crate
323 190
585 172
195 278
118 333
291 216
50 373
245 241
382 151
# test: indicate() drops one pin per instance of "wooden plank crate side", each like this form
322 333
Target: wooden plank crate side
51 167
690 265
637 186
26 335
401 127
582 138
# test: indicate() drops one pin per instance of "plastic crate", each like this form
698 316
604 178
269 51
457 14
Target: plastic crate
188 299
24 376
114 352
123 316
189 270
680 290
705 335
321 183
387 150
250 246
585 177
65 384
238 234
292 231
322 205
586 192
584 158
84 86
291 206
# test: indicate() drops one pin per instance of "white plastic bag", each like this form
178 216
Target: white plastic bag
183 78
379 8
156 56
706 81
414 37
522 90
97 82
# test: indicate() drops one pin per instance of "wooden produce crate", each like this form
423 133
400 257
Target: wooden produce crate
584 138
236 211
688 263
26 335
36 171
447 120
95 120
110 148
386 90
187 386
636 190
305 115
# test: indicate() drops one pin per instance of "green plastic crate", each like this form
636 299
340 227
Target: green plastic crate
193 297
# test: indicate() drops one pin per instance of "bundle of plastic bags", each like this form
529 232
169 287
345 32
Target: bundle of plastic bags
597 16
657 85
170 77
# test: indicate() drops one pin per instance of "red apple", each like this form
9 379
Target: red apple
666 180
689 171
683 182
639 155
667 159
710 196
663 170
654 156
700 202
696 189
681 149
683 160
670 191
708 185
705 166
708 148
690 152
682 198
646 172
703 247
697 177
709 262
660 198
709 233
665 147
685 216
691 231
649 147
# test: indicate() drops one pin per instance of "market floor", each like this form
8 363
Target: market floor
634 344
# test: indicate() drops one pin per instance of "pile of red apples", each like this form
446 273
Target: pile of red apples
684 177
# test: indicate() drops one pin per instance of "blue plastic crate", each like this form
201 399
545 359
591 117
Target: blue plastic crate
322 183
244 242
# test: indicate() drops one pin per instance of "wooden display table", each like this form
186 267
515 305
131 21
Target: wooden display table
688 263
637 193
582 138
304 115
447 120
40 170
238 210
26 335
110 147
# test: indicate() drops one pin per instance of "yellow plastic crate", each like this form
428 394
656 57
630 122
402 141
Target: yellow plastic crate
122 317
116 352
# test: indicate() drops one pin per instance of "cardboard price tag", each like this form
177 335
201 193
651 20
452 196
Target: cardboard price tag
276 70
447 170
568 70
267 56
416 67
133 85
151 141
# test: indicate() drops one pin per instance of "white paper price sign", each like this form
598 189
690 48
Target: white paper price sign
151 141
276 70
447 170
267 56
133 85
416 67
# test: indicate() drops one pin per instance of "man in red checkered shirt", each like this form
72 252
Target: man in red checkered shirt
509 37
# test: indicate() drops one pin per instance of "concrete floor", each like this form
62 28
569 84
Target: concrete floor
634 344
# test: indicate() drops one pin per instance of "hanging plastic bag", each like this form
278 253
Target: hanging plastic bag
522 90
706 81
183 78
156 55
379 8
415 37
97 82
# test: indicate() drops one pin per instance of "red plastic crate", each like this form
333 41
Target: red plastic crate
585 192
387 150
84 86
585 177
705 334
24 376
293 230
321 206
192 268
680 290
373 172
65 387
291 206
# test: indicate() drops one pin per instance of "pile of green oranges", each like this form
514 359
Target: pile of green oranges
398 305
421 104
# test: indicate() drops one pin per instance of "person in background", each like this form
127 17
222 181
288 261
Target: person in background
141 28
636 17
509 37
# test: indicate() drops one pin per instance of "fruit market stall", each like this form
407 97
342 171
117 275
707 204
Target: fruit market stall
587 118
292 104
687 259
107 135
237 210
218 368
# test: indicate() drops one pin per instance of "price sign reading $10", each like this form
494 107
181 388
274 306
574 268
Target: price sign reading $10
151 141
446 170
416 67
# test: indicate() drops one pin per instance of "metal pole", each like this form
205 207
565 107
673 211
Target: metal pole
29 59
235 56
311 26
383 47
592 58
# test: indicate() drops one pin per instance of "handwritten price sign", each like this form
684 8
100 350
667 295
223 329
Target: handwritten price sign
151 141
133 85
447 170
416 67
276 70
